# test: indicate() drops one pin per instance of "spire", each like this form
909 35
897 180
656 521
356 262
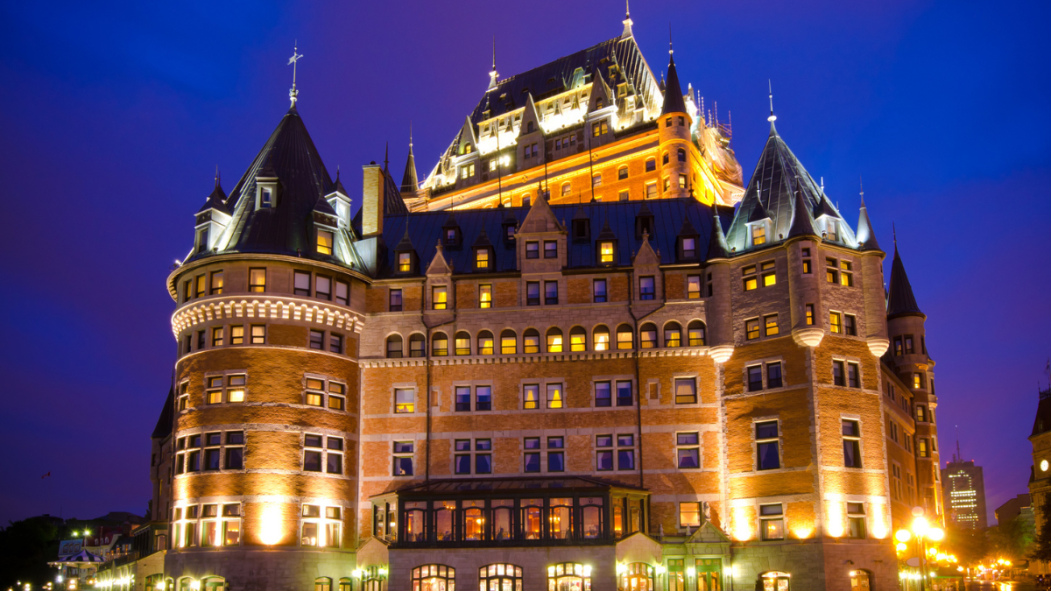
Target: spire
717 247
217 199
772 117
386 155
901 301
673 102
802 224
493 76
866 237
338 188
409 181
293 93
627 22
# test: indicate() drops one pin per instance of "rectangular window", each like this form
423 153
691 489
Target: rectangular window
201 286
463 399
853 378
604 457
810 314
750 280
462 462
838 370
554 396
623 195
846 277
200 339
217 283
556 456
342 293
769 274
646 288
770 325
898 350
317 339
600 290
755 378
323 287
550 292
485 296
624 393
301 283
909 348
851 444
258 334
395 301
751 328
835 322
603 395
688 451
257 280
531 458
217 336
850 325
481 258
917 380
483 398
832 270
404 400
693 287
773 375
532 293
625 452
605 252
772 520
651 188
237 335
404 262
689 514
856 520
550 249
685 391
439 297
324 242
767 442
483 462
403 451
532 250
335 343
531 396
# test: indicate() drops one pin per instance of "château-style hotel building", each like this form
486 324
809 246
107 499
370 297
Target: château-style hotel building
581 354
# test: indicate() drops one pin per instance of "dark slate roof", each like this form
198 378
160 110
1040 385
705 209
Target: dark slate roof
289 154
673 101
866 236
425 229
216 200
559 75
1042 424
409 180
777 177
392 201
900 300
166 420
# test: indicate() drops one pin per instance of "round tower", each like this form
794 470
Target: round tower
265 428
676 150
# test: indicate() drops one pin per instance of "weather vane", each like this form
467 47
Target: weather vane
293 93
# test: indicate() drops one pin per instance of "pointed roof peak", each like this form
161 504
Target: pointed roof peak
802 224
866 236
717 246
673 101
772 117
901 301
216 199
627 34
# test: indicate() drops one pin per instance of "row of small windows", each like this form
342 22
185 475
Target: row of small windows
486 344
236 334
233 389
225 450
768 436
316 285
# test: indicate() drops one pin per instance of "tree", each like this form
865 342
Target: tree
1042 548
26 547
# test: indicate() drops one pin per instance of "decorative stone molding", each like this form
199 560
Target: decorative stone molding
878 345
274 308
808 337
499 359
721 353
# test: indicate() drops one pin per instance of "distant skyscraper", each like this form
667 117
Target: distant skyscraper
964 488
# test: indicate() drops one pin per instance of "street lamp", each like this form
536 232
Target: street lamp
920 531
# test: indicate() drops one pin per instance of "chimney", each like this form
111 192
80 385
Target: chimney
372 200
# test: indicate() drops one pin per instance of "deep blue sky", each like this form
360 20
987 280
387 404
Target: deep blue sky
113 118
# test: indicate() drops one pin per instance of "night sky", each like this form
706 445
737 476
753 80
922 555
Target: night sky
114 117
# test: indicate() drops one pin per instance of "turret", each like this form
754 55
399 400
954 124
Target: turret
676 151
719 307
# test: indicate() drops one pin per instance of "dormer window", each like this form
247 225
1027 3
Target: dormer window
605 252
509 232
404 262
325 240
689 248
581 229
202 239
266 197
758 234
466 149
481 258
831 231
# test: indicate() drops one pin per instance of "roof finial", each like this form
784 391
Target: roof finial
410 135
337 173
386 152
627 21
492 74
216 175
894 232
671 47
861 184
772 117
293 94
822 185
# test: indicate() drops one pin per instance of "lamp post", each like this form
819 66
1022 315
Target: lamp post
921 532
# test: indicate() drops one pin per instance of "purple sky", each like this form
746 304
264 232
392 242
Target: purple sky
113 119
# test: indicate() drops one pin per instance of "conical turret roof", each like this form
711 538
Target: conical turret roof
216 200
717 247
866 236
673 101
409 181
777 178
900 300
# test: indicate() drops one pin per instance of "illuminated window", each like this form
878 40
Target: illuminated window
257 280
682 181
485 343
769 274
831 271
508 342
404 400
554 396
481 258
835 322
625 337
569 576
485 296
404 262
685 390
217 336
687 450
320 527
601 338
648 336
217 283
258 334
751 328
696 334
554 340
531 396
462 343
322 584
439 297
577 339
651 189
605 252
673 334
772 521
403 453
846 277
770 325
440 344
689 514
500 577
324 242
774 581
434 577
767 444
856 520
565 189
750 280
531 341
851 444
917 380
237 335
758 234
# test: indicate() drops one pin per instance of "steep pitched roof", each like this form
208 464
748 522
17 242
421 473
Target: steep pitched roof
1042 423
165 422
900 300
673 101
866 236
290 156
409 180
216 200
778 176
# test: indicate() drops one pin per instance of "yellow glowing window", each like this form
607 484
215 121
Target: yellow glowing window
846 278
751 329
601 340
769 274
758 234
215 396
531 397
508 345
624 339
313 399
554 343
750 280
404 400
554 395
237 335
485 296
771 325
835 322
324 242
462 345
810 314
689 514
314 384
481 258
606 252
235 396
257 280
217 283
440 298
404 262
577 341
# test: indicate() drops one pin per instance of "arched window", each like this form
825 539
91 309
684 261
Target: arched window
569 576
560 518
434 577
860 580
708 574
625 337
774 581
394 346
417 345
502 511
463 343
673 334
413 521
345 584
508 342
485 343
600 338
531 341
591 517
322 584
682 155
473 524
500 577
554 340
531 521
373 580
184 584
443 520
648 336
578 339
638 576
219 583
439 344
696 334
